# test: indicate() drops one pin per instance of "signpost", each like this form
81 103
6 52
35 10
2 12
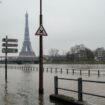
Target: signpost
41 32
9 40
7 44
9 50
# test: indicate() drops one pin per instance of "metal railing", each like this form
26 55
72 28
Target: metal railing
80 87
87 72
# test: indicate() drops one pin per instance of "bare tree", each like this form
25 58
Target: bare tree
53 52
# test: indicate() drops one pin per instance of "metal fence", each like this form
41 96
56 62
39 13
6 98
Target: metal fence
80 87
88 72
68 71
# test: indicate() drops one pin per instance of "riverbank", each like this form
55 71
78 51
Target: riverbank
75 62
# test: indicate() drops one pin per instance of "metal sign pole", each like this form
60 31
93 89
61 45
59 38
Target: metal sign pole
6 50
41 32
6 60
41 55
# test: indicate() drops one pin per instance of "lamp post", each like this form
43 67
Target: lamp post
41 32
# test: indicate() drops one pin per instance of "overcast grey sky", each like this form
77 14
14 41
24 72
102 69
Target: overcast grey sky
67 22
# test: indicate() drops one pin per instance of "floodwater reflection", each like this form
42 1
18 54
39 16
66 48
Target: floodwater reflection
41 100
6 93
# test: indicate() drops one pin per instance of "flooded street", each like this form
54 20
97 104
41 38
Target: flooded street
22 86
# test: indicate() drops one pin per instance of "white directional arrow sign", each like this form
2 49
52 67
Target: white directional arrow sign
41 31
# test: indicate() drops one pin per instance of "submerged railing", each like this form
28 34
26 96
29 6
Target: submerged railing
67 71
80 87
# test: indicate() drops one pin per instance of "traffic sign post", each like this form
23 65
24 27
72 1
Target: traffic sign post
7 43
41 32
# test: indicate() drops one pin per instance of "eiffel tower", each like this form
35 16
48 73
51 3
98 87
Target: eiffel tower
26 52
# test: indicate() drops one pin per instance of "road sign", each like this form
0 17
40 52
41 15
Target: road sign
9 40
9 50
9 45
41 31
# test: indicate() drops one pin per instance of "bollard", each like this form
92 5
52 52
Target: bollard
73 71
51 70
88 72
56 84
67 71
55 70
98 73
80 72
80 98
47 69
43 69
37 69
61 70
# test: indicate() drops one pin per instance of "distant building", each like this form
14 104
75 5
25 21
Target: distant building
79 52
100 54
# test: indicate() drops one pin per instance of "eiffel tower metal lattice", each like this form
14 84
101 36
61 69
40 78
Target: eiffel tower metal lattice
26 51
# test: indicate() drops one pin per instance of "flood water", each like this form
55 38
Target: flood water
22 86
